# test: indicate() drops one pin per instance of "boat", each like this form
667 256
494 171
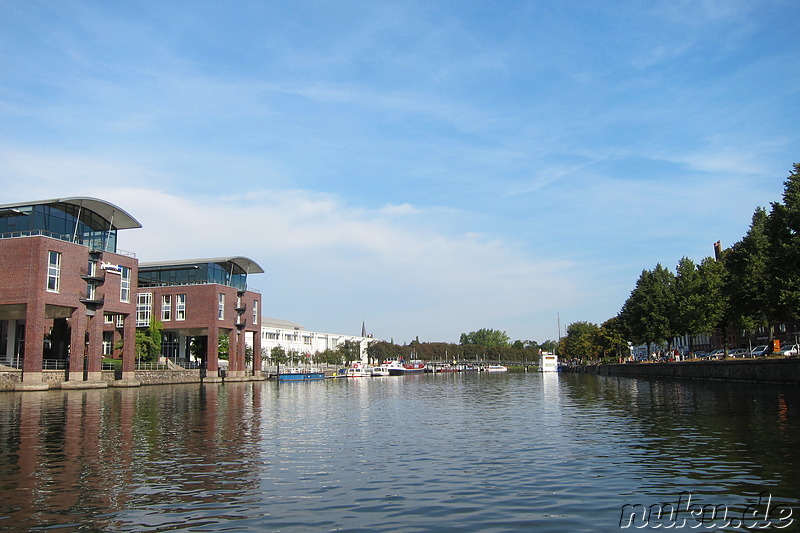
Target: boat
378 371
548 363
400 367
299 374
357 370
496 368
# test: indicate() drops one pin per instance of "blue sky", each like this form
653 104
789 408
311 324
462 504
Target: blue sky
432 167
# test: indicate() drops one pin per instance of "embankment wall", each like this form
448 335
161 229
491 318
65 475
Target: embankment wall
752 370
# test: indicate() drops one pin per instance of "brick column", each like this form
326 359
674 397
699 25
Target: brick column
129 347
94 351
212 356
257 362
77 324
34 342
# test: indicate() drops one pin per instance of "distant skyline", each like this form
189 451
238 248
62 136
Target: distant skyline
426 168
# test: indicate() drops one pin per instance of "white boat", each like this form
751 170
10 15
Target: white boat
357 370
548 363
496 368
378 371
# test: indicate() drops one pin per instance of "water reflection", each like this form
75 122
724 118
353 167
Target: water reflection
418 453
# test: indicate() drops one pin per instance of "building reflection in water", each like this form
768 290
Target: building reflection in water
82 459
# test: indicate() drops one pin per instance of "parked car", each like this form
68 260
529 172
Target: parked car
716 354
761 351
738 352
789 350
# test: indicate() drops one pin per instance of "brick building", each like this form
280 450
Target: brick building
199 302
61 273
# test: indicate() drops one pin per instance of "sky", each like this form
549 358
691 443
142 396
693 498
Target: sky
426 168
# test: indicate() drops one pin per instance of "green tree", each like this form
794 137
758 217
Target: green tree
580 341
485 337
750 282
350 351
223 347
647 316
278 355
148 341
784 232
610 338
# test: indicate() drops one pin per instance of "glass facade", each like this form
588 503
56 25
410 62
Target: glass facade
62 221
226 273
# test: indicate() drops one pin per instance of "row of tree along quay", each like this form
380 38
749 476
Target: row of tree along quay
749 292
482 345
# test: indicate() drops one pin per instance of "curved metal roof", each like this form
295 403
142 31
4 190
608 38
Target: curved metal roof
119 218
245 263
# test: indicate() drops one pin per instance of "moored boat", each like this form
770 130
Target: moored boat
401 367
357 370
299 374
496 368
378 371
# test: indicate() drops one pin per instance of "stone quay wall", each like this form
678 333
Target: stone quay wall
752 370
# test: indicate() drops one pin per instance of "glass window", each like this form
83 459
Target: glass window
90 291
180 307
166 307
144 309
221 307
54 271
255 312
125 285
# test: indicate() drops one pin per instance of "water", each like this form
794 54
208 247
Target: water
455 452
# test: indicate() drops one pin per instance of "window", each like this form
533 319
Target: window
144 309
91 270
255 312
125 285
90 291
54 271
108 318
221 312
166 307
108 343
180 307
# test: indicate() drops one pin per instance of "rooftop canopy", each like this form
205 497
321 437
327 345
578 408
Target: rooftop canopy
82 220
231 271
116 217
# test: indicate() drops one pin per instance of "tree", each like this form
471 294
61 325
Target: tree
278 355
610 338
750 283
350 351
784 232
223 347
148 341
647 316
580 341
487 338
698 297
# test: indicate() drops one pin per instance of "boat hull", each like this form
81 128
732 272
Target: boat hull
304 376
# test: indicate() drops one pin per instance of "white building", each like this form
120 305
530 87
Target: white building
294 338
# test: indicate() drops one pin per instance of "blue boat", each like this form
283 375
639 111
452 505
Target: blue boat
297 374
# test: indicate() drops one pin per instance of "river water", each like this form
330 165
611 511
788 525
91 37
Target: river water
447 452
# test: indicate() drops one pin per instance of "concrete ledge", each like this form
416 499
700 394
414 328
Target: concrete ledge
84 384
31 386
125 383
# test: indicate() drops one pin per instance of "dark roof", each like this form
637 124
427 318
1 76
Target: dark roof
118 217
